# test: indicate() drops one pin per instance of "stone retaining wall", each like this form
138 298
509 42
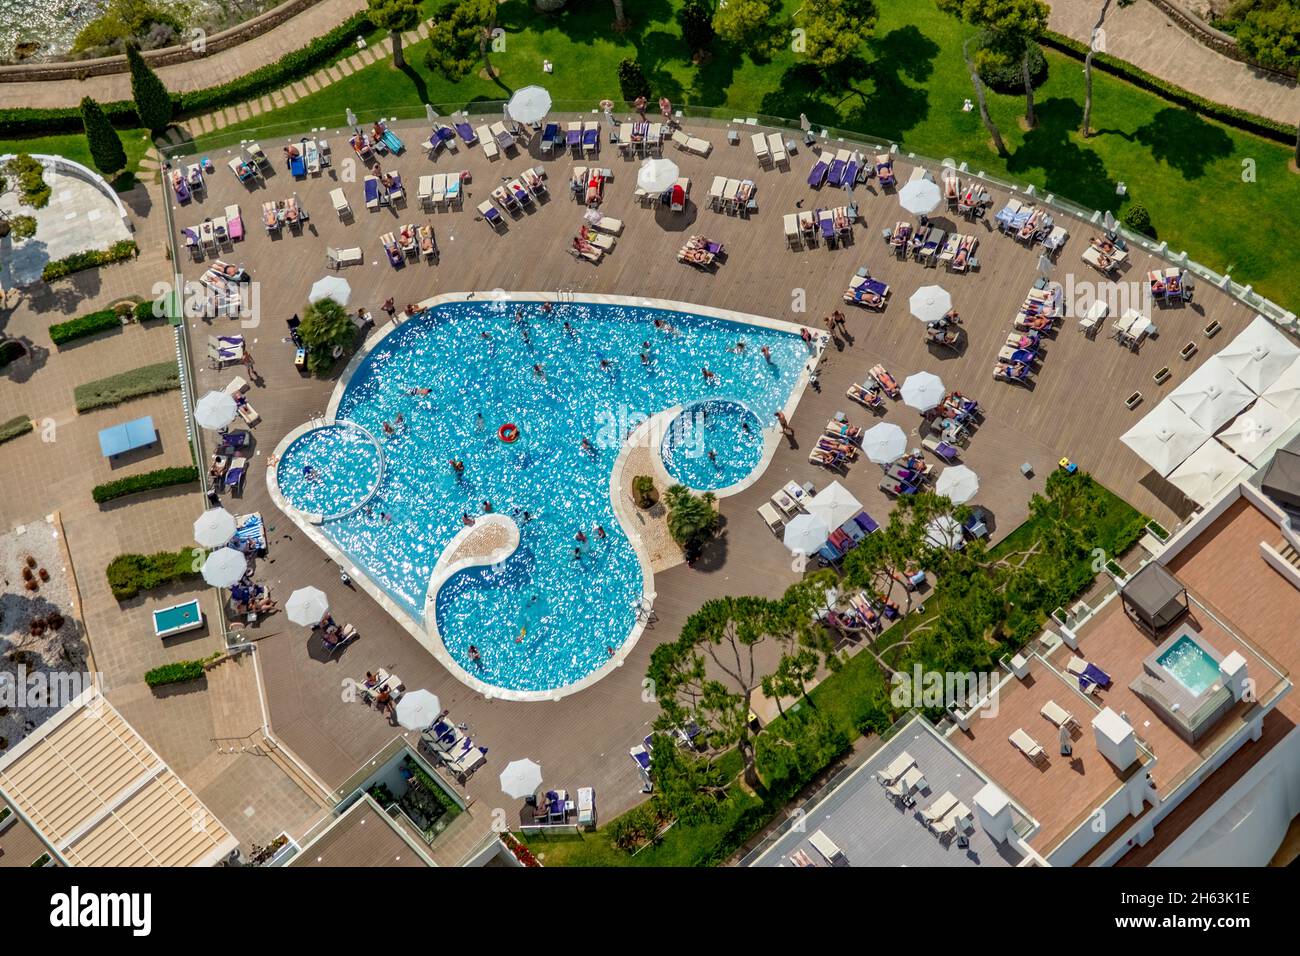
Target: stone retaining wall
1208 36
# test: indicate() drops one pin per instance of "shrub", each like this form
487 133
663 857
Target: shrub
14 427
634 829
643 491
23 227
632 81
119 251
153 104
148 481
146 380
176 673
150 309
129 574
92 323
33 190
1138 219
105 145
1000 66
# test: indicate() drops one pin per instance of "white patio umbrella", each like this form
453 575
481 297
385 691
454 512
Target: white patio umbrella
418 709
958 484
884 442
529 104
657 175
214 410
806 533
1259 354
930 303
1255 429
330 287
1284 393
920 196
833 504
214 528
944 532
923 391
307 606
1044 266
224 567
1108 221
521 778
1165 437
1206 472
1212 396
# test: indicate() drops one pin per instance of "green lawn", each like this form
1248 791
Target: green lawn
908 87
73 146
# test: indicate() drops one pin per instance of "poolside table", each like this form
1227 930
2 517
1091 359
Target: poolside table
128 436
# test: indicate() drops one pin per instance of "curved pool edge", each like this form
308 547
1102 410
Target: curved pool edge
430 639
283 445
657 429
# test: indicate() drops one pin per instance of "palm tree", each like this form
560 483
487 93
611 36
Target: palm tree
692 519
1087 62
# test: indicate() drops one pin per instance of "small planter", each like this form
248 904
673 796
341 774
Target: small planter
7 819
1157 531
1115 569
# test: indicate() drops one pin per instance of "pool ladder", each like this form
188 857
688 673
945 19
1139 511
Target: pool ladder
563 296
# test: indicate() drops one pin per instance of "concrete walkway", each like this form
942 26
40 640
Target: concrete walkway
1144 36
219 68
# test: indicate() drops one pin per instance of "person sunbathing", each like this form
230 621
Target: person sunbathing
1157 286
823 457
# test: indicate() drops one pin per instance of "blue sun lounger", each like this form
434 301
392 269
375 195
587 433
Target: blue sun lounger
850 172
298 166
372 192
551 136
836 177
817 175
466 134
393 142
866 522
591 137
444 135
128 436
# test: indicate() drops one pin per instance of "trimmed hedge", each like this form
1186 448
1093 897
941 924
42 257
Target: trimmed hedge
119 251
129 574
177 673
148 481
1230 115
149 309
14 427
146 380
92 323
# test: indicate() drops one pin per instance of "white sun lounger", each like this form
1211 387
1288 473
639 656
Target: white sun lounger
485 137
958 818
608 224
777 148
937 810
771 517
909 783
897 767
760 148
792 234
715 191
602 241
425 191
1026 744
827 848
1057 714
340 203
344 257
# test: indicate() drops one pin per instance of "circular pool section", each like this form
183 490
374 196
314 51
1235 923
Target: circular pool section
330 471
712 445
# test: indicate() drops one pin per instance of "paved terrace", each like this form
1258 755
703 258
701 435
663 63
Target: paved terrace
1075 407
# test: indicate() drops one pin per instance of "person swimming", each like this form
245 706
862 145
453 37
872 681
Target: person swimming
418 391
580 537
457 466
767 354
389 429
585 444
600 532
538 370
568 329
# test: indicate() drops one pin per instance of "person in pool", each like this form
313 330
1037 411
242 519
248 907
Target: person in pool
389 429
538 370
457 466
580 537
585 444
475 656
568 329
419 391
600 532
767 354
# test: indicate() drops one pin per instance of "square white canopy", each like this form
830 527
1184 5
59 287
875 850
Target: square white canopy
1208 470
1165 437
1212 396
1284 392
1255 429
1259 354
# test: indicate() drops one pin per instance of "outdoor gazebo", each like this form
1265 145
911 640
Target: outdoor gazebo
1154 598
1281 481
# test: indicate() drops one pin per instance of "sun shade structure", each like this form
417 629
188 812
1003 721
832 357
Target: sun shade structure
418 709
958 484
1284 393
214 528
657 175
1281 480
944 532
1212 396
920 196
330 287
1259 354
529 105
1255 429
214 410
1154 598
1208 470
1165 437
224 567
307 606
884 442
521 778
95 791
834 504
923 391
805 534
930 303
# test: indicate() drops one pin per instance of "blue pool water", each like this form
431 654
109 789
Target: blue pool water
583 607
329 470
1190 665
728 429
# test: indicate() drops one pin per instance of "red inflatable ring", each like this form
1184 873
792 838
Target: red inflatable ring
508 432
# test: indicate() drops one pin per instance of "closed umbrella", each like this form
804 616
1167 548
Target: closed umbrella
657 175
214 528
418 709
330 287
430 113
920 196
214 410
805 534
930 303
307 606
529 105
923 391
521 778
884 442
224 567
958 484
352 118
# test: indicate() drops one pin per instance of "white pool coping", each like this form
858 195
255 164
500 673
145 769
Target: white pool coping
425 632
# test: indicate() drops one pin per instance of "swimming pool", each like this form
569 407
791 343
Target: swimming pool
330 470
558 608
1190 665
712 445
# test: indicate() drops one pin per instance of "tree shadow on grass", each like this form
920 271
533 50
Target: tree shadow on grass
1067 168
1184 141
893 106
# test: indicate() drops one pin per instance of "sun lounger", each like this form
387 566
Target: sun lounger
885 380
393 142
827 848
608 224
1058 715
715 191
777 148
1027 745
340 202
897 767
371 185
255 153
680 190
488 142
939 808
591 136
870 397
760 148
503 137
551 136
1056 238
311 154
784 503
771 517
466 133
337 258
641 757
271 215
243 169
1089 675
392 250
885 169
424 193
490 213
792 234
248 413
234 223
956 820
